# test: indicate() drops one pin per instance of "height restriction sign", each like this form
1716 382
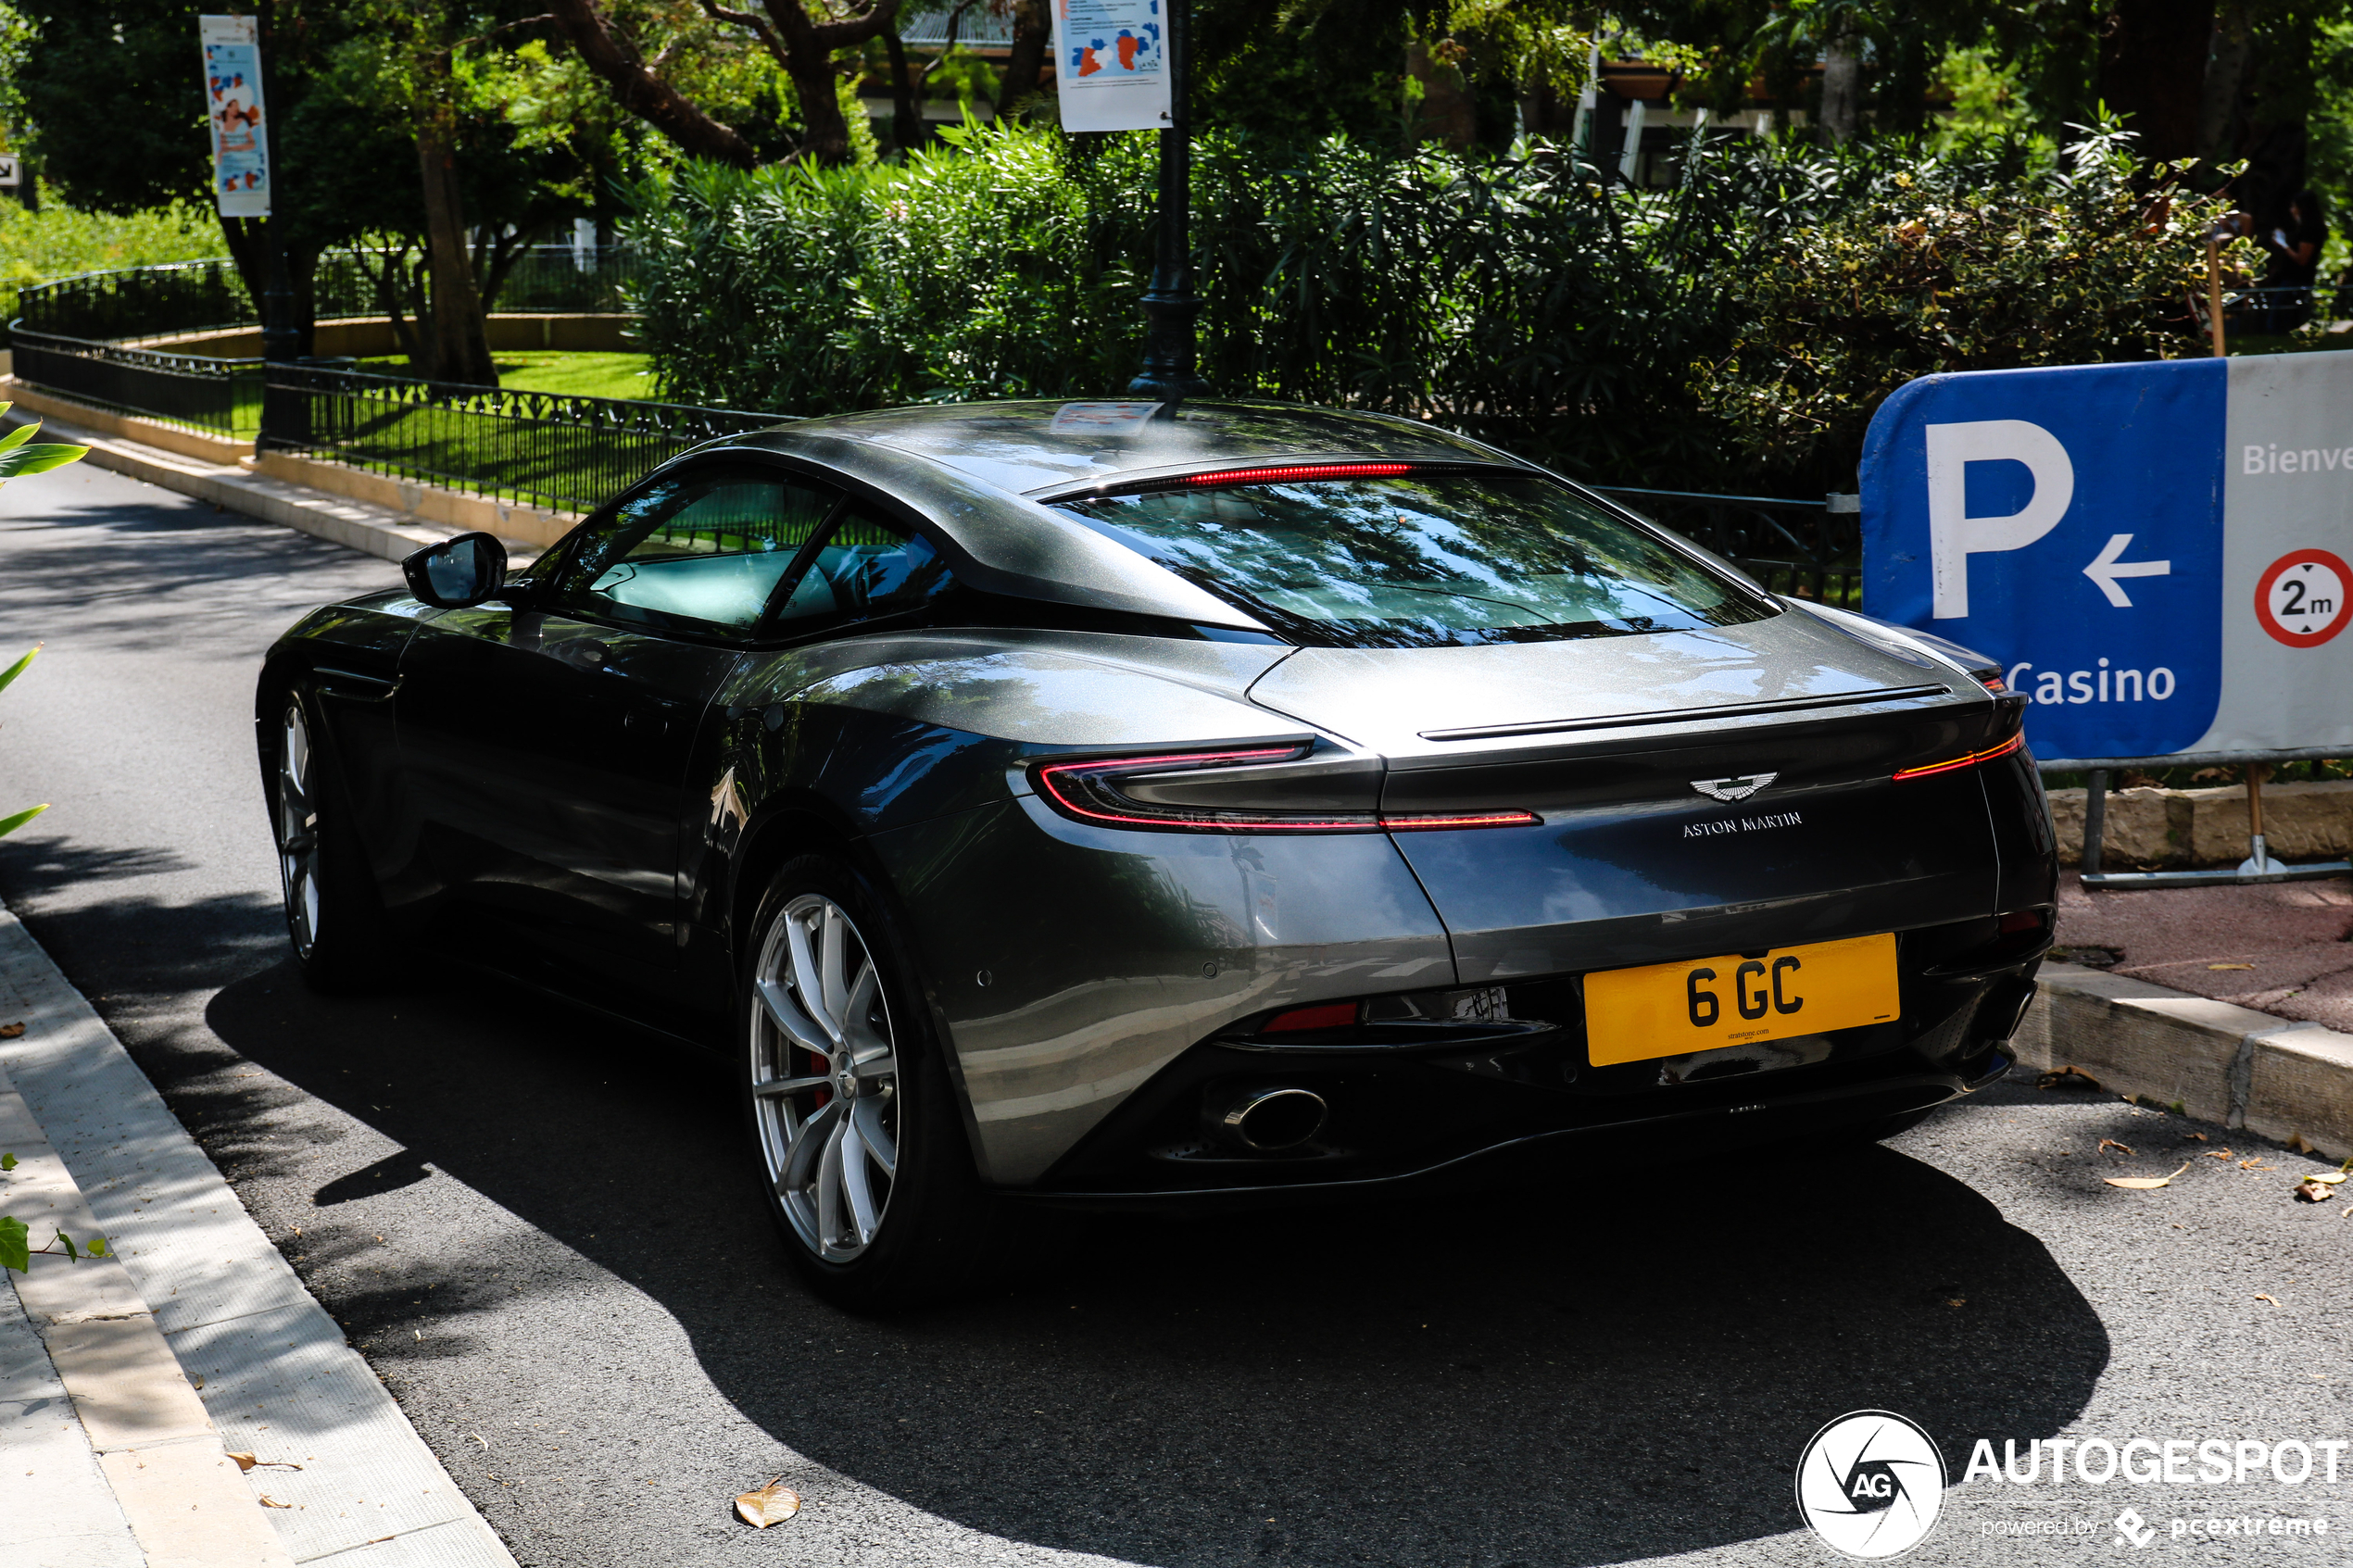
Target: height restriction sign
2155 552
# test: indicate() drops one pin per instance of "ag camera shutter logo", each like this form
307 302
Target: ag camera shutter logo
1870 1483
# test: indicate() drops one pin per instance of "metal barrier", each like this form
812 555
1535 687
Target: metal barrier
1805 549
564 454
218 395
2259 866
195 296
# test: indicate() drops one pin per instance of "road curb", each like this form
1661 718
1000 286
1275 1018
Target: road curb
225 1348
359 525
2214 1060
181 1496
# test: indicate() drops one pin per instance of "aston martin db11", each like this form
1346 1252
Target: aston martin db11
1050 804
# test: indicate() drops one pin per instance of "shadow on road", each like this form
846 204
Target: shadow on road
1627 1368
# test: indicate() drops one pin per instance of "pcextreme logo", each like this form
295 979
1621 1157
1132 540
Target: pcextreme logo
1870 1483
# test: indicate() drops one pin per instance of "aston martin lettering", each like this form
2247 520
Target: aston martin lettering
1744 824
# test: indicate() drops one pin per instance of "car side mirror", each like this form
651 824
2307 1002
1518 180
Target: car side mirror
456 572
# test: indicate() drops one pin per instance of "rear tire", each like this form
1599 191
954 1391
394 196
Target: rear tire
335 917
857 1133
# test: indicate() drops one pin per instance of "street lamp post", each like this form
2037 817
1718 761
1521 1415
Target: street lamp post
1170 305
283 410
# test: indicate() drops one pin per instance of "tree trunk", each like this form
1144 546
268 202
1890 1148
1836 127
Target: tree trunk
1447 114
1033 29
828 137
2219 127
906 112
456 339
1842 86
2153 70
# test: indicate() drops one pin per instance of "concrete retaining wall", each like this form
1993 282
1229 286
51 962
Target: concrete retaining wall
2214 1060
2169 829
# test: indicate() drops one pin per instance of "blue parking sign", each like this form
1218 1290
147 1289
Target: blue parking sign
2067 521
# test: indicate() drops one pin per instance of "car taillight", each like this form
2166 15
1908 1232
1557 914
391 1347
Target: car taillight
1991 683
1089 791
1292 473
1971 760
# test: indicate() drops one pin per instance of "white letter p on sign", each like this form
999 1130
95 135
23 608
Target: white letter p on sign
1954 536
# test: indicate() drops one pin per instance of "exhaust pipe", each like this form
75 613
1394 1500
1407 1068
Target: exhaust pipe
1269 1120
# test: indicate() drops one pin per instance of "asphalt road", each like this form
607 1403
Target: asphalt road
542 1230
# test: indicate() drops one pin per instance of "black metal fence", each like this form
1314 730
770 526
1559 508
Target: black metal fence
223 396
197 296
565 454
1800 548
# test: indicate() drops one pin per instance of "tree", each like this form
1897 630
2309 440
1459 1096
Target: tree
802 44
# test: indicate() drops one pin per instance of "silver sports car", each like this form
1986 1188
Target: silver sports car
1091 805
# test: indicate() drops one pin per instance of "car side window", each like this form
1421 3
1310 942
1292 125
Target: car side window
865 568
702 550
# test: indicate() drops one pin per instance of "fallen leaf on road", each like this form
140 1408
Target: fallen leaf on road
1957 1301
2313 1192
2067 1078
773 1504
196 1381
2230 966
245 1462
2261 1296
10 1030
2143 1183
2326 1178
2297 1143
267 1502
2199 1136
2255 1165
2107 1143
2217 1153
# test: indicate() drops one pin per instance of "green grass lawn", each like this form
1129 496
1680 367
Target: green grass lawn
571 375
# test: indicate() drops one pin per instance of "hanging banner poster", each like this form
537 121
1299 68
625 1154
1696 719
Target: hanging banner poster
1111 69
232 102
2155 552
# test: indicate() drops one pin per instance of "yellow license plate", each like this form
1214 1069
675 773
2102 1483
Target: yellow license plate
1699 1004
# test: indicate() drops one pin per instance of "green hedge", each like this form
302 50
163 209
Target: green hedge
1736 331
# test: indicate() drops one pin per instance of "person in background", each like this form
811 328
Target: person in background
2294 241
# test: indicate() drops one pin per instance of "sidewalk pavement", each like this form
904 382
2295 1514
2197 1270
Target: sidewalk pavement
2279 947
374 530
126 1383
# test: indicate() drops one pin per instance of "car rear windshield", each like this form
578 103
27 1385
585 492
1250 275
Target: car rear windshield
1423 559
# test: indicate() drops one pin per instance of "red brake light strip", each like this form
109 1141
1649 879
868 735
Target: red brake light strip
1971 760
1292 472
1069 785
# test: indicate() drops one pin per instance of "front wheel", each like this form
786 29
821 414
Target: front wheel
859 1138
334 917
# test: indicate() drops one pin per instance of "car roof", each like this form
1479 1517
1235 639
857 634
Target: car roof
981 475
1039 447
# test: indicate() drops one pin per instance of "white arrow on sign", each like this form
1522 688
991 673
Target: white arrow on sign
2106 568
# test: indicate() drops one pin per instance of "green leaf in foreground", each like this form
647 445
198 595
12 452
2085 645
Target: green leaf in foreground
8 1161
18 666
95 1247
15 1246
39 459
66 1242
10 824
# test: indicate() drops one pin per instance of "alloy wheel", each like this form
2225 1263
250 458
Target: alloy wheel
825 1077
298 831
